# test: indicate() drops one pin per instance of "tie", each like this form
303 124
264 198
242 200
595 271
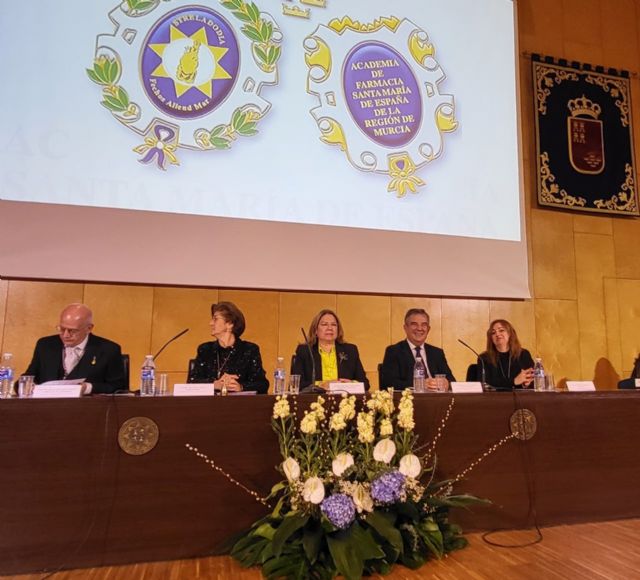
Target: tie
72 355
418 352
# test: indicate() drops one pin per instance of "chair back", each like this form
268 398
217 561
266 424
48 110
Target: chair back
126 364
380 381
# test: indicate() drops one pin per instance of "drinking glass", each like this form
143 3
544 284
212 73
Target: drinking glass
25 386
161 387
294 384
549 383
441 383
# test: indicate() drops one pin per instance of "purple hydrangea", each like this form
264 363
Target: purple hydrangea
388 488
339 510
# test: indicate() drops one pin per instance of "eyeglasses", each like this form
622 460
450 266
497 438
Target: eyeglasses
69 331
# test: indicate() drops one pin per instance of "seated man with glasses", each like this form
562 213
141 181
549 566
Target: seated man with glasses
75 353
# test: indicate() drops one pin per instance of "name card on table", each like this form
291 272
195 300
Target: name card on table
466 387
580 386
47 391
351 388
193 390
637 383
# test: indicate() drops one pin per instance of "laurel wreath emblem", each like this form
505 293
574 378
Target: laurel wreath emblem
265 50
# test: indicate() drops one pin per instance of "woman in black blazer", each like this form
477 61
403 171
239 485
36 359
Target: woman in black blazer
333 359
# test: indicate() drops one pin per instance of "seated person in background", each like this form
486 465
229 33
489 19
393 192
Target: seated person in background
630 383
229 362
333 359
400 358
75 353
507 365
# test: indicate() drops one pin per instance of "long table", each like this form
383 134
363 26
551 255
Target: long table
70 497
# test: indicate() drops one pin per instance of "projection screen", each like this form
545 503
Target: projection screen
360 146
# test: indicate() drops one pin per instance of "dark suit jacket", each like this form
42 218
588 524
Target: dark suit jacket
101 365
398 363
349 365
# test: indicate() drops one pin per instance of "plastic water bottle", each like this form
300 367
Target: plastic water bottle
419 374
279 376
148 377
6 376
538 376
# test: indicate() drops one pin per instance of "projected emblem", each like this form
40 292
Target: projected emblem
380 102
186 76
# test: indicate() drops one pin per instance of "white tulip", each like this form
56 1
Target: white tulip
410 465
384 450
291 468
313 490
341 463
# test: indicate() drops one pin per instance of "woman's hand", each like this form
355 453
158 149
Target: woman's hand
228 382
524 378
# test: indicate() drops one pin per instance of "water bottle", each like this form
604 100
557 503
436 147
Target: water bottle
279 377
6 376
538 376
148 377
419 373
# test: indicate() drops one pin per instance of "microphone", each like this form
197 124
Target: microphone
166 344
483 376
313 362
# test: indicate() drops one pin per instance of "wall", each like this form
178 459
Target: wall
585 271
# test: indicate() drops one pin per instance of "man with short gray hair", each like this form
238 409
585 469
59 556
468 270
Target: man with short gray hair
75 353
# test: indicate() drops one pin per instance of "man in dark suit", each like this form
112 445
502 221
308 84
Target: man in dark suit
400 358
75 353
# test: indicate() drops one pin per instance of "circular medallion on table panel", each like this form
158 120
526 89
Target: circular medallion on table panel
138 435
523 424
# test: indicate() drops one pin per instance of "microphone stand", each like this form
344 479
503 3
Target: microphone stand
483 377
166 344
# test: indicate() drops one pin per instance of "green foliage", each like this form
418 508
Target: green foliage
137 6
256 29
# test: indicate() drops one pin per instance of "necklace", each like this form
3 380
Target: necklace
508 368
223 366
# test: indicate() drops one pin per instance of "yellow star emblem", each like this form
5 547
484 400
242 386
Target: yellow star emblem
189 61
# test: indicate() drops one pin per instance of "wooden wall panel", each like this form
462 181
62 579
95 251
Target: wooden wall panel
33 310
594 261
175 309
629 316
123 314
619 34
466 319
626 237
558 338
540 26
612 317
366 321
554 265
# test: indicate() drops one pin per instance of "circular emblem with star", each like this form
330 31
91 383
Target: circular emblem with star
189 62
186 76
